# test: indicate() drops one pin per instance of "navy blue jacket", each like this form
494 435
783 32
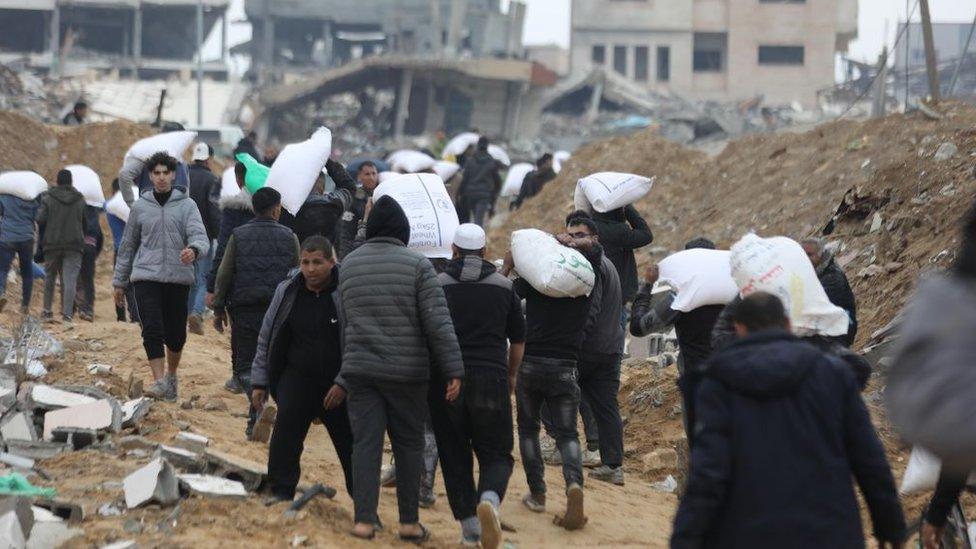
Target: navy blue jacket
781 430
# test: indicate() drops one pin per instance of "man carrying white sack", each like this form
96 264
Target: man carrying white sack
162 239
548 374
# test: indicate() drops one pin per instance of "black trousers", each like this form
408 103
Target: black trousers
688 384
375 406
480 420
162 312
245 325
130 299
299 402
599 383
85 295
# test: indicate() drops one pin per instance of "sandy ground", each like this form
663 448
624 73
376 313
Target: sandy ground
630 516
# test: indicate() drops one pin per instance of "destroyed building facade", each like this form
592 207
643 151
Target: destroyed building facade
725 50
949 40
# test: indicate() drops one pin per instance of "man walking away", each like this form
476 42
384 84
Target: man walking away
354 219
94 241
62 213
694 331
205 192
117 226
17 227
487 317
77 116
258 258
781 430
298 357
480 183
535 180
834 283
397 325
163 237
548 374
621 232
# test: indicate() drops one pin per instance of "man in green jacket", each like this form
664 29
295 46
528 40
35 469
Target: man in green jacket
62 215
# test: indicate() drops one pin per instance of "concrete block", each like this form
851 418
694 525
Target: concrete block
50 534
154 482
43 515
134 410
8 399
77 438
11 374
17 462
250 473
11 532
97 415
209 485
192 441
51 398
18 426
20 509
65 510
37 449
182 458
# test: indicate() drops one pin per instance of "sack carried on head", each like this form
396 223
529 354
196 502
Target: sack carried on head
549 267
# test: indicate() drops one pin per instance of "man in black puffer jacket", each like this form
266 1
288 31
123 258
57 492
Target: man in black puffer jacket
479 188
621 232
258 257
781 431
834 283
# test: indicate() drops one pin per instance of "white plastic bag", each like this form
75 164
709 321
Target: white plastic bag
446 170
25 185
433 219
228 183
779 266
558 159
550 267
172 143
410 161
117 206
458 144
294 172
499 154
607 191
88 184
699 277
515 177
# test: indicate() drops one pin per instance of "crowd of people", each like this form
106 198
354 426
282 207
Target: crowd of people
333 317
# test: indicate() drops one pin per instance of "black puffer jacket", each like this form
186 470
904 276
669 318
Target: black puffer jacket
781 431
839 292
621 232
264 255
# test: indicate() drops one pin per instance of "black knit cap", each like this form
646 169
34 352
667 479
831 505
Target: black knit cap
387 219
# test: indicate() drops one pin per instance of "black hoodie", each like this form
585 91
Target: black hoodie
780 431
387 219
487 313
621 232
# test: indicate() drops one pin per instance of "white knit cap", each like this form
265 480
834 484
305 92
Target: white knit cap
469 237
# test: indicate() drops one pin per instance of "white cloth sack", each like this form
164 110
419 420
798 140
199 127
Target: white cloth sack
699 277
515 177
410 161
88 184
172 143
779 266
458 144
294 172
499 154
446 170
430 210
922 473
25 185
607 191
550 267
228 183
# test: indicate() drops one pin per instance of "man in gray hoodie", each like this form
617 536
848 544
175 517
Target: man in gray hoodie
396 324
163 238
62 214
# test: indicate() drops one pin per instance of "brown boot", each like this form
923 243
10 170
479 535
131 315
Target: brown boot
195 324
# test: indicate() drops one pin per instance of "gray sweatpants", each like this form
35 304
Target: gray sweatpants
64 265
376 406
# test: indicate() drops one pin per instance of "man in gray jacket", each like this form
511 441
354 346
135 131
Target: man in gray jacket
396 324
162 240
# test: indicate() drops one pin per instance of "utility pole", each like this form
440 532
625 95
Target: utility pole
908 49
199 62
878 106
962 58
930 51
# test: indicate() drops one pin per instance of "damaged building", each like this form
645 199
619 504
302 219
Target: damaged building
141 38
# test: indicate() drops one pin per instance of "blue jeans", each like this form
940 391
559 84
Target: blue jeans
25 254
198 292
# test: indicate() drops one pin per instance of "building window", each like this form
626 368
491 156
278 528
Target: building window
663 63
598 55
640 63
707 61
781 55
620 59
709 51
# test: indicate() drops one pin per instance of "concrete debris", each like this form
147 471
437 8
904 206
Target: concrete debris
37 449
659 460
8 398
51 398
251 474
299 541
78 438
192 441
182 458
133 442
17 462
110 510
134 410
99 369
97 415
945 151
36 369
71 512
215 405
668 485
209 485
125 544
19 510
18 426
50 534
12 532
156 482
44 515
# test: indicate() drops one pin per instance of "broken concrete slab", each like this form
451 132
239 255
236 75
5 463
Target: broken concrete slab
192 441
154 482
250 473
50 534
51 398
134 410
65 510
209 485
77 438
20 509
11 374
11 532
18 426
945 151
37 449
43 515
8 399
97 415
182 458
17 462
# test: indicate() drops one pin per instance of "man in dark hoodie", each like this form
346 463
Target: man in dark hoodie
298 357
834 283
693 328
354 218
205 193
62 214
396 325
94 241
322 212
781 430
490 327
535 180
621 232
480 183
258 257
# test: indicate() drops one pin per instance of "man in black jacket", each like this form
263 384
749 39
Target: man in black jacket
298 357
205 192
781 430
621 232
354 218
480 183
535 180
94 240
258 257
321 214
487 316
834 283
